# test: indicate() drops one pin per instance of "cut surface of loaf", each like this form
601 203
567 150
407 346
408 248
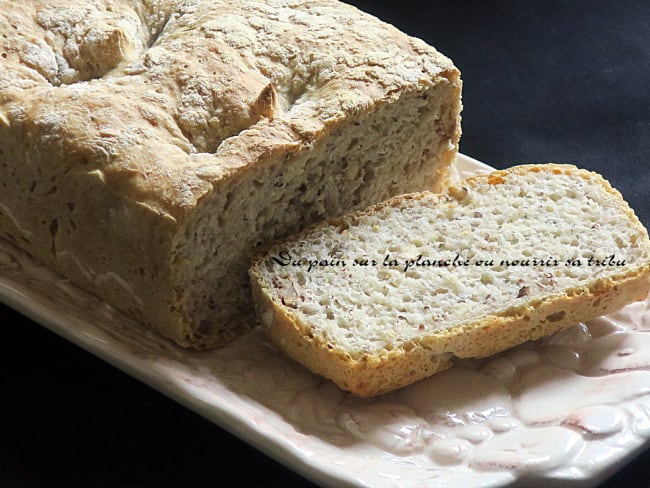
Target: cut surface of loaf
147 146
495 261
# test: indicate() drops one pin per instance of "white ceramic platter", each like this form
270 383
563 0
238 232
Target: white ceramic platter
567 410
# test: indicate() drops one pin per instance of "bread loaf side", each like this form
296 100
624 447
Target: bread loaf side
381 298
147 147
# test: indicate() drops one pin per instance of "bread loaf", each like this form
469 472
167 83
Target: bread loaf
381 298
147 146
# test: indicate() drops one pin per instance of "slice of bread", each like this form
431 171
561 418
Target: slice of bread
381 298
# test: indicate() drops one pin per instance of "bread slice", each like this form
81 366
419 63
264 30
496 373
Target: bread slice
381 298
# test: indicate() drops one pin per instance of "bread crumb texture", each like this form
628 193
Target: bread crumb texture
496 261
146 146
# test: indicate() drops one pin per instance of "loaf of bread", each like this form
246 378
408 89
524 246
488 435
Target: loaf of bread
146 147
381 298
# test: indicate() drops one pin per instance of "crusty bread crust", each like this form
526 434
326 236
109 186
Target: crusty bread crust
433 351
146 147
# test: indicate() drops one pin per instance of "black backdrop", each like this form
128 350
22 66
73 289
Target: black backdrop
563 81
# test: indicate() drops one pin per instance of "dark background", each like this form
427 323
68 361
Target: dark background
561 81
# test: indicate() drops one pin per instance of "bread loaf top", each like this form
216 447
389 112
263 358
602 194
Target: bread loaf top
160 98
383 297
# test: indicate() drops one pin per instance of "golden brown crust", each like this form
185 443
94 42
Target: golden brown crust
122 121
374 374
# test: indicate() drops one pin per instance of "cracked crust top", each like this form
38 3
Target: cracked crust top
159 99
146 146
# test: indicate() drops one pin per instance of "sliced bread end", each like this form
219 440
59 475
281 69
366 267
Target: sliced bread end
419 355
